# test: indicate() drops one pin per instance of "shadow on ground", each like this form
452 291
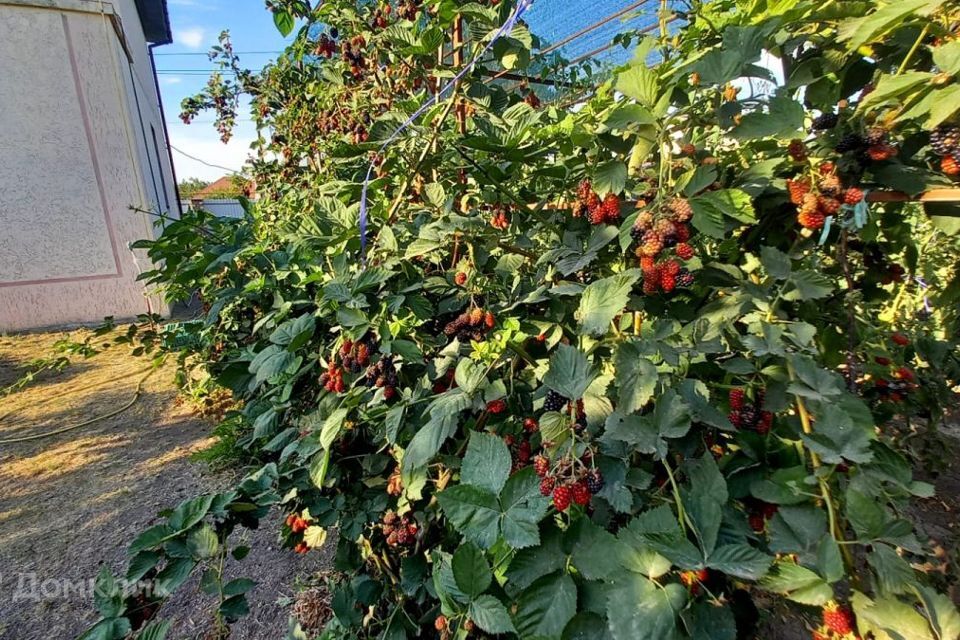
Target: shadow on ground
71 503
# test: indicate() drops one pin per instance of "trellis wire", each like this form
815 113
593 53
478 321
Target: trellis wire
507 27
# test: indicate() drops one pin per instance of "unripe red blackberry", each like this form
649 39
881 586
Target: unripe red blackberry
949 166
829 206
531 425
670 267
476 316
652 244
685 251
581 495
611 208
496 406
852 196
737 399
881 152
668 282
460 279
838 619
562 496
489 320
546 486
541 465
798 189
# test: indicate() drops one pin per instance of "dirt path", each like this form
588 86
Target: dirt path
71 503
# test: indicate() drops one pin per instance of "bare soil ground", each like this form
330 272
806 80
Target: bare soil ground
71 503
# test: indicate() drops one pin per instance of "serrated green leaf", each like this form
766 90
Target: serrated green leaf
545 607
639 609
471 570
487 462
490 615
570 372
603 300
636 378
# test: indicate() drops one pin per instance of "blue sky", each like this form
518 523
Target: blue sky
182 72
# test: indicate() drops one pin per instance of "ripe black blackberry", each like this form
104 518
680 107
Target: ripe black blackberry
554 401
748 417
945 140
595 481
850 142
685 278
825 121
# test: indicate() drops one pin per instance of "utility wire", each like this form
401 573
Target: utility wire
209 164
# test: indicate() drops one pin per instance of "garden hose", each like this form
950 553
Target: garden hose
136 396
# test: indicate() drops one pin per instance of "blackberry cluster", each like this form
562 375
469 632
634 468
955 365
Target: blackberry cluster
850 142
352 51
499 219
332 378
656 230
554 401
408 10
758 512
521 451
749 416
597 211
532 99
356 355
399 531
945 141
816 202
471 325
567 483
326 46
383 375
825 121
381 17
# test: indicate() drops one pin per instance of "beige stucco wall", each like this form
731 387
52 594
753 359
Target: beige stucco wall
73 159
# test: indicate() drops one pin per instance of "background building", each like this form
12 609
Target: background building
82 140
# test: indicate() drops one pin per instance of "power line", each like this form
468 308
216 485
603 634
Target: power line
239 53
204 162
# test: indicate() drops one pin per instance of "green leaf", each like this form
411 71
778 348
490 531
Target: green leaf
523 508
487 462
570 372
295 333
648 433
783 119
190 512
627 114
283 21
946 103
837 439
610 177
858 31
720 66
470 375
238 586
776 262
109 629
892 87
711 208
544 608
798 530
474 512
535 562
155 630
740 561
636 378
889 619
894 574
640 83
711 622
318 468
797 583
947 57
704 499
941 613
587 625
203 542
808 285
603 300
332 427
271 362
597 553
471 571
490 615
639 609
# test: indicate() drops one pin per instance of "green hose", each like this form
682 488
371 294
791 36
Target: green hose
136 396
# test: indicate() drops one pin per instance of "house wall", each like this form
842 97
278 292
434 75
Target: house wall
73 159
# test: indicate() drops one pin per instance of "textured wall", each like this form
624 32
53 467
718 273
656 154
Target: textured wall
73 159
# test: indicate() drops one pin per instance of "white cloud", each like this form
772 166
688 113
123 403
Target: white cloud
201 141
171 80
191 37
